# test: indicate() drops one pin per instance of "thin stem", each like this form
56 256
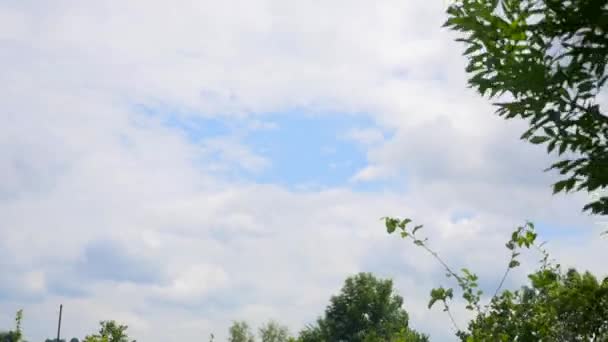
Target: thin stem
436 256
452 273
447 309
502 281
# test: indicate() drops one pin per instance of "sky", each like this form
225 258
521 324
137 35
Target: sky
178 166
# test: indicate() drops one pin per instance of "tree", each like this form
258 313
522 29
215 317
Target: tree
409 335
405 335
365 310
10 336
14 335
240 332
546 61
273 332
110 331
557 306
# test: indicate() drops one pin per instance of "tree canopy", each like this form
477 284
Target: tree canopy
13 335
367 309
109 331
557 306
543 61
240 332
273 332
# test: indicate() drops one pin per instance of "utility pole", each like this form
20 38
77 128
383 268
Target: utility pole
59 324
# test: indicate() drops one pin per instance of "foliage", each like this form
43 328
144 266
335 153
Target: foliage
365 310
312 333
557 306
10 336
409 335
546 60
273 332
240 332
110 331
404 335
14 335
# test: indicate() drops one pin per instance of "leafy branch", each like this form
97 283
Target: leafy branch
545 62
523 236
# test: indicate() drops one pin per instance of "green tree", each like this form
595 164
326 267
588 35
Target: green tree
273 332
10 336
409 335
367 309
557 306
109 331
14 335
240 332
312 333
545 60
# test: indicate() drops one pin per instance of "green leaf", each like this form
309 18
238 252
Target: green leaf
530 238
559 186
549 131
563 147
391 224
551 146
404 223
539 139
585 86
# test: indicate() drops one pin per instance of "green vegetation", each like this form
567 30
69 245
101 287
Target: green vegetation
545 61
365 310
240 332
555 306
274 332
13 335
110 331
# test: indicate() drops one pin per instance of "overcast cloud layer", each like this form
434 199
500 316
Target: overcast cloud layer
173 165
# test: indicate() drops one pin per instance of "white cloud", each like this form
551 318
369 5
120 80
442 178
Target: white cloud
366 136
80 163
194 282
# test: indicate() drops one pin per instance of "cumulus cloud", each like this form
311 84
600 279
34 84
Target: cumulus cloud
118 215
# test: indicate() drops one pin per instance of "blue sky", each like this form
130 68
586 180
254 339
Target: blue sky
305 149
308 149
231 160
